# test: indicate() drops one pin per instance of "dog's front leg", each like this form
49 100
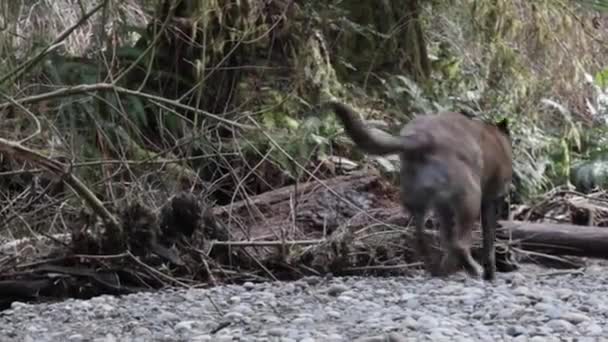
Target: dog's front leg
421 245
489 219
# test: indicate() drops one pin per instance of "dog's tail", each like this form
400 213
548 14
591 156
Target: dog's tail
372 140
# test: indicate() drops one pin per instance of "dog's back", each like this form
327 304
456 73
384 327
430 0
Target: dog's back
463 155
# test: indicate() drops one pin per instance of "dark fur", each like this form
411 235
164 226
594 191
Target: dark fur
458 166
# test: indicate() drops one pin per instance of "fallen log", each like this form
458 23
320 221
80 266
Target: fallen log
557 238
310 210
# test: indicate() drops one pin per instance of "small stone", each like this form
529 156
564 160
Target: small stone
594 330
277 332
516 330
248 285
379 338
333 314
410 322
550 310
427 322
537 339
311 280
234 300
406 296
142 332
575 317
304 319
109 338
168 316
243 308
76 337
107 307
184 326
559 325
234 316
382 292
345 299
336 289
413 303
516 279
564 294
17 305
391 337
223 338
335 338
272 319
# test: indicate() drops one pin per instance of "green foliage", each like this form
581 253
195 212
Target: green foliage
303 138
493 59
598 5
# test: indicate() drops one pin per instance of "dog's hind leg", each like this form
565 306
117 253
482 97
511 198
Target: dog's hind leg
450 262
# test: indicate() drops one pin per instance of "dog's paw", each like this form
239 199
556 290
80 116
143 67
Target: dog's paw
489 274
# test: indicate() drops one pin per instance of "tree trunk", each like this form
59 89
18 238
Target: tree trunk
416 57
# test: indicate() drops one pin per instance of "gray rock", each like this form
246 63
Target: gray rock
277 332
575 317
391 337
516 330
560 326
594 330
427 322
336 289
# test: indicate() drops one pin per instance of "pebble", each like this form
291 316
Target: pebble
336 289
516 330
560 326
575 317
518 306
594 330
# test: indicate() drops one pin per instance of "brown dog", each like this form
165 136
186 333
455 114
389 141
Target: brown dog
454 164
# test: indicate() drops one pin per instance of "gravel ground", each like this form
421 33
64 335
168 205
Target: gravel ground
532 304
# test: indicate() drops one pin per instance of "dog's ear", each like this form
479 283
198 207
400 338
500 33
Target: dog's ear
503 125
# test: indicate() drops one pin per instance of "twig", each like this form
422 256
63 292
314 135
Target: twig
21 152
206 264
101 257
90 88
21 69
266 243
220 327
158 273
384 267
578 271
39 262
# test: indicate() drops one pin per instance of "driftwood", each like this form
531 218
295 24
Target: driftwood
558 239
